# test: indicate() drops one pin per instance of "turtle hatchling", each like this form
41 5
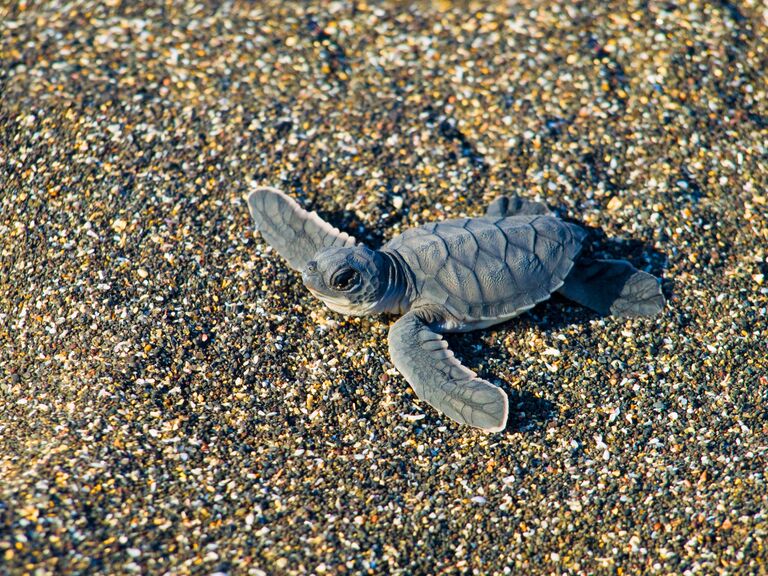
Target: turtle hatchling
452 276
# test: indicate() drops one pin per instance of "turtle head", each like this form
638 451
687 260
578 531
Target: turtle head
351 280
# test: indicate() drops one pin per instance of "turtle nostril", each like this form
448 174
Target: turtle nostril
312 266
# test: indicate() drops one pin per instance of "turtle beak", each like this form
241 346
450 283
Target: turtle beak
309 275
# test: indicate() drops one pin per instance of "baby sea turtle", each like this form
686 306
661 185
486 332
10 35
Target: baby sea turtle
453 276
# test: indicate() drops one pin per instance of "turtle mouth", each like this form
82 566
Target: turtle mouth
317 288
335 303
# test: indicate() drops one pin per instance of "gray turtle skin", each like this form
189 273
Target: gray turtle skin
452 276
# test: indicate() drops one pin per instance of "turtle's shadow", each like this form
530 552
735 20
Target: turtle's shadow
526 410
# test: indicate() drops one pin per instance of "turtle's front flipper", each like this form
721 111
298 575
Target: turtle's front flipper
505 206
422 357
613 287
296 234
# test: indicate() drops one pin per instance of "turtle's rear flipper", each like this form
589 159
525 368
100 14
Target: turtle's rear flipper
613 287
505 206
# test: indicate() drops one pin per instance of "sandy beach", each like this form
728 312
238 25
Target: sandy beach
173 401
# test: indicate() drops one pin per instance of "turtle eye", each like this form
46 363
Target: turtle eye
344 279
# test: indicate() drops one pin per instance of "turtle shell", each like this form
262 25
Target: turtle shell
485 270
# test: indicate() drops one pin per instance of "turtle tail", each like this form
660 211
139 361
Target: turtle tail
613 287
